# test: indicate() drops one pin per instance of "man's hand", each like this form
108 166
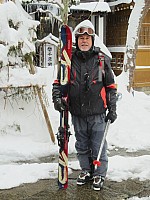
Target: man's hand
60 104
112 116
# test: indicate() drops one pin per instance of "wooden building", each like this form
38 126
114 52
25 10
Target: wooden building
116 33
112 27
110 19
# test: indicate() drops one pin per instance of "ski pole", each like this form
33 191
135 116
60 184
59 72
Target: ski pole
97 162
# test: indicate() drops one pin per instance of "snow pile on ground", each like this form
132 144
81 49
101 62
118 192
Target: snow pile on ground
24 138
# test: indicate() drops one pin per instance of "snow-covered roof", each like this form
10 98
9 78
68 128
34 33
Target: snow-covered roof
92 7
119 2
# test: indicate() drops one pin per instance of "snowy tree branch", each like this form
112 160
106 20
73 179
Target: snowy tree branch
135 21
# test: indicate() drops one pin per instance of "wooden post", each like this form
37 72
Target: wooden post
39 93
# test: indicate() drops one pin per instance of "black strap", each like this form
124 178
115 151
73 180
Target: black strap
101 66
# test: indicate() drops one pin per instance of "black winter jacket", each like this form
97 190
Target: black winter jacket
91 89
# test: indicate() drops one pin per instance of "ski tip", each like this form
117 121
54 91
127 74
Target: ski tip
66 27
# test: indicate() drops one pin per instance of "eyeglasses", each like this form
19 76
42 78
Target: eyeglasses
84 30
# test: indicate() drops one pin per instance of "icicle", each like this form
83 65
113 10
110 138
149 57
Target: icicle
50 17
59 23
53 22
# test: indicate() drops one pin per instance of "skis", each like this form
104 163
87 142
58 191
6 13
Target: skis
63 131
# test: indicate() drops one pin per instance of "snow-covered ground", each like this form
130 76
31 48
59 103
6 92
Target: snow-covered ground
24 137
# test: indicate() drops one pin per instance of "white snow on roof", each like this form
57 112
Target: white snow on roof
92 7
119 2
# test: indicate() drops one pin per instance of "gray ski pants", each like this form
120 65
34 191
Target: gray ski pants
89 133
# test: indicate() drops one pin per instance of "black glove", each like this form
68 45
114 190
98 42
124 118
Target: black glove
60 104
56 91
112 116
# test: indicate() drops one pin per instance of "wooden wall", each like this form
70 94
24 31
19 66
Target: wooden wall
143 57
143 53
116 27
116 30
141 78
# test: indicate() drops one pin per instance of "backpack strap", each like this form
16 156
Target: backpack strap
101 66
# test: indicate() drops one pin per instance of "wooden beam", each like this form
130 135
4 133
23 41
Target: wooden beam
37 90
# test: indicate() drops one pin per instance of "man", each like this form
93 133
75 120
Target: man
91 92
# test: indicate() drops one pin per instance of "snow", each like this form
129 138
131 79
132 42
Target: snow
141 67
98 43
30 142
119 2
92 7
10 12
24 137
137 198
133 22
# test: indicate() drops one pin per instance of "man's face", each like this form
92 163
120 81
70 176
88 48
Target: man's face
84 42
